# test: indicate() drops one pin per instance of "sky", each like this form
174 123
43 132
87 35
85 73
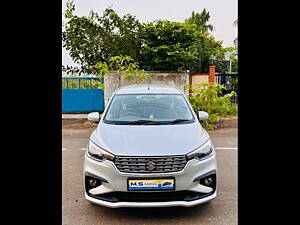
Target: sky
222 14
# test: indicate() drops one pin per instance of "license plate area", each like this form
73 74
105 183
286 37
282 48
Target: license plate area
151 184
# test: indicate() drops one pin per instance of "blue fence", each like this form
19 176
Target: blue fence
81 95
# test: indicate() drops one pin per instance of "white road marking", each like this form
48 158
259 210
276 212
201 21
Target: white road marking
82 149
64 149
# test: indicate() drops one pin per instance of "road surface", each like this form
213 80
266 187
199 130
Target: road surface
220 211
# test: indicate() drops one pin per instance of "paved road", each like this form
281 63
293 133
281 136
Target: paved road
220 211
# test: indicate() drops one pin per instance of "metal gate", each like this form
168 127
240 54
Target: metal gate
80 95
230 81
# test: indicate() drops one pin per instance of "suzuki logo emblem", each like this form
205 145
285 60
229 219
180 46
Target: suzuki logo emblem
150 165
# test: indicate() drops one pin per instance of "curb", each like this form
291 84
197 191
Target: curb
74 116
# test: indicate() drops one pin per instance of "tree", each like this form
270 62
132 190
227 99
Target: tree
208 47
95 38
201 20
233 57
168 45
158 45
176 46
222 61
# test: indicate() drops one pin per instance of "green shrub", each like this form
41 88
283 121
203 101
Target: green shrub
207 97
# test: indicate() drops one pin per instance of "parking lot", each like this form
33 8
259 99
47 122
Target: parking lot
220 211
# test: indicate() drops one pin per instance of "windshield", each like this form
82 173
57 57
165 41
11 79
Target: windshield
148 109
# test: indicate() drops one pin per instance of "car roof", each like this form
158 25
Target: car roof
147 89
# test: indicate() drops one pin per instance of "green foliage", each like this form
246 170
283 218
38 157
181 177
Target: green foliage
232 54
201 20
102 70
223 57
70 9
126 66
206 48
206 97
168 45
95 38
176 46
160 45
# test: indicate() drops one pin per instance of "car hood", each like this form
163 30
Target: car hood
149 140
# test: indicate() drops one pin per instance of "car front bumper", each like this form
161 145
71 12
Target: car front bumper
117 182
150 204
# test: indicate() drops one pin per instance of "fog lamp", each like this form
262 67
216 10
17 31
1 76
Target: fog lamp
208 181
92 182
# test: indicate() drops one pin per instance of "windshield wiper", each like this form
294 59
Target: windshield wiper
179 121
141 122
150 122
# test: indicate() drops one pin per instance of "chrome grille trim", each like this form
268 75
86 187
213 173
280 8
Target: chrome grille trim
163 164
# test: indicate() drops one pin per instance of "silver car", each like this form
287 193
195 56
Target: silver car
149 150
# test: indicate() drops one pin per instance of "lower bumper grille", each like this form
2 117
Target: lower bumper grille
162 164
152 196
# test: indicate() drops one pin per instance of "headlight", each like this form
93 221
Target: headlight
202 152
99 153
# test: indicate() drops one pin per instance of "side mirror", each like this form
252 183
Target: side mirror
94 116
202 115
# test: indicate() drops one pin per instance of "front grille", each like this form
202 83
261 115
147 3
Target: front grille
152 196
162 164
